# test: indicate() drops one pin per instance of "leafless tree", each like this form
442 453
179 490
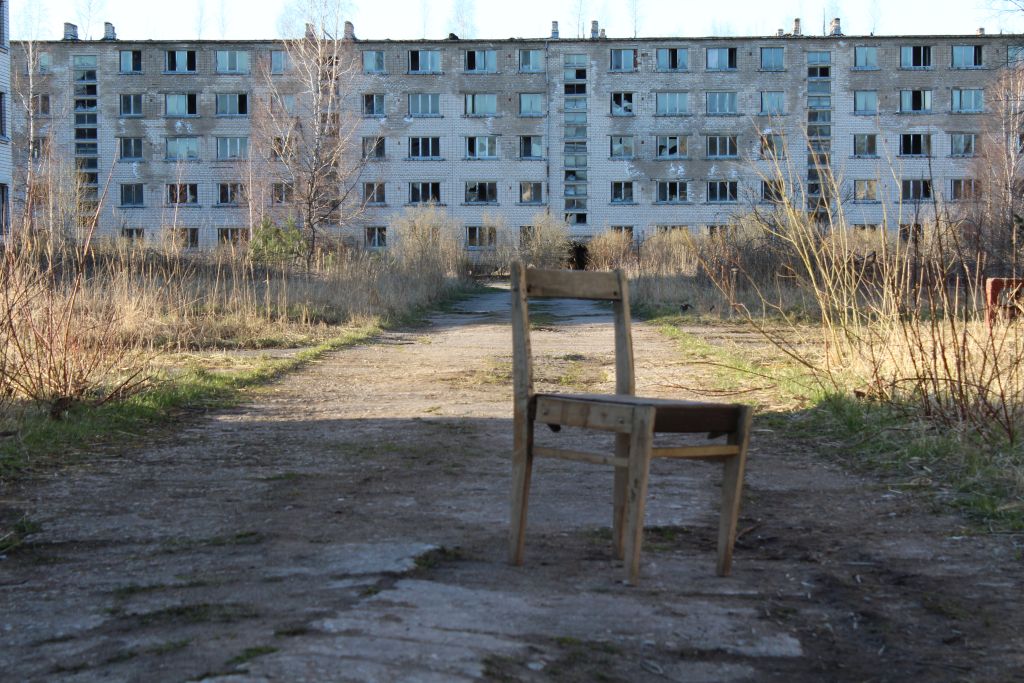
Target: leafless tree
86 12
306 151
200 18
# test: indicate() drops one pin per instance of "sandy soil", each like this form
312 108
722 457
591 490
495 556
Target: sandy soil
349 524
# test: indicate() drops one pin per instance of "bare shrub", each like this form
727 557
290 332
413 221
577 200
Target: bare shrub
611 249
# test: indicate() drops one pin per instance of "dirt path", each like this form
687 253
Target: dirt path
350 524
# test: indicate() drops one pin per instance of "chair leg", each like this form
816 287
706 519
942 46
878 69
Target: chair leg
619 496
522 466
640 442
732 492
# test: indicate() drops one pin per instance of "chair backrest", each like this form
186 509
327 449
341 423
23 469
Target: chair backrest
530 283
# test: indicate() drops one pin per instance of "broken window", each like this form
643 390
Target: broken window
915 144
672 191
373 193
481 236
531 192
671 146
376 237
482 147
916 57
373 105
233 104
233 235
481 192
229 194
672 59
185 238
183 193
531 61
622 104
133 234
232 62
963 144
672 103
865 190
1015 54
281 193
131 61
963 189
722 191
773 191
622 146
373 147
916 190
721 58
531 147
422 193
481 61
773 146
624 60
865 145
425 148
721 103
915 101
622 192
425 61
180 61
183 104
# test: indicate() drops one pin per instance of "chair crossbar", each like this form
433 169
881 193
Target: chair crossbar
697 452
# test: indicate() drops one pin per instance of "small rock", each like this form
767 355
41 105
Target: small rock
535 666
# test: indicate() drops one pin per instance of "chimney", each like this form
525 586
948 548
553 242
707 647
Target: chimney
70 31
554 30
981 31
310 32
108 31
796 27
603 36
350 31
780 32
835 30
594 32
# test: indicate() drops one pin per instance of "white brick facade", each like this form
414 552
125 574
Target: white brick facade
834 89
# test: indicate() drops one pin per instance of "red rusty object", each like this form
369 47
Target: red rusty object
994 286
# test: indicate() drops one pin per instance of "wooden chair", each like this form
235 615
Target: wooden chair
634 421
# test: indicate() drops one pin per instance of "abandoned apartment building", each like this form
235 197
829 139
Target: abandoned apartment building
640 134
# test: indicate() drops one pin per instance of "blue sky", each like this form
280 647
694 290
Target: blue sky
211 19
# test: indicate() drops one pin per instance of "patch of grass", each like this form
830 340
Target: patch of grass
199 613
251 653
292 631
11 539
434 558
42 440
169 647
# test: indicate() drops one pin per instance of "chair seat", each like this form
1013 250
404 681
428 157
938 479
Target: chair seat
671 416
